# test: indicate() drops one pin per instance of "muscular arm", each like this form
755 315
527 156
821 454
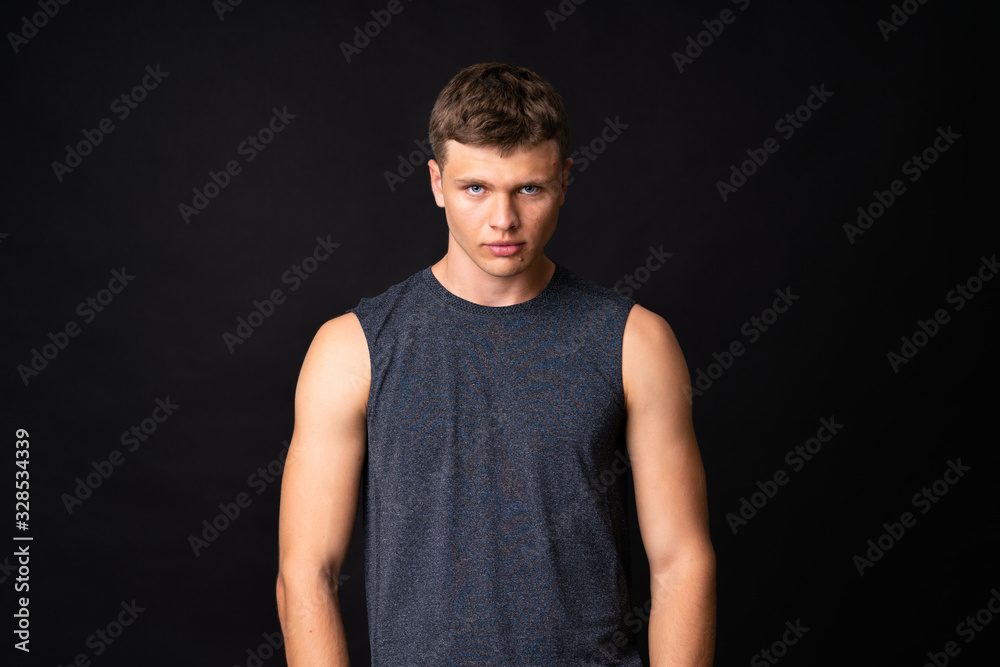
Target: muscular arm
670 494
319 492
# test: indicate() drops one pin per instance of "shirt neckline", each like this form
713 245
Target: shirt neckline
543 297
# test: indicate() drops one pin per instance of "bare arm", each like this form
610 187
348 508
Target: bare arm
670 494
319 492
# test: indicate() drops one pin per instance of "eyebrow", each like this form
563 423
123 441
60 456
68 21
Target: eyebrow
466 181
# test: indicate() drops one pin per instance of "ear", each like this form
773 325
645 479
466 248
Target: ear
565 179
436 187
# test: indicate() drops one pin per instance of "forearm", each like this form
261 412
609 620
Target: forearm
682 614
313 628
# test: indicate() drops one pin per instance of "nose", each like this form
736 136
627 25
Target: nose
504 213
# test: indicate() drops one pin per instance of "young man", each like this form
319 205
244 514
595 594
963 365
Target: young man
484 407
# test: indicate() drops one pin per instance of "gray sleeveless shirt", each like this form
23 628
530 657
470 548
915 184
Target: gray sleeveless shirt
494 508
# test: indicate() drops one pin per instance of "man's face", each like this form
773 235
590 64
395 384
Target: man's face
490 201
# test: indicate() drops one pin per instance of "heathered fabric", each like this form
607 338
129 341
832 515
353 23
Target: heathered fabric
494 508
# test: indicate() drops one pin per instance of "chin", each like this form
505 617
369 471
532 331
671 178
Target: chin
504 267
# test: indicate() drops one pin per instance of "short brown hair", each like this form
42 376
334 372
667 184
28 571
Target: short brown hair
499 105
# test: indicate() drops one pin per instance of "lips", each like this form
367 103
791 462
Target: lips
504 248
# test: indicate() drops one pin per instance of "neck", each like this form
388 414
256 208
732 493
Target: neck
465 279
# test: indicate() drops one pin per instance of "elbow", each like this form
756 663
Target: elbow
690 576
700 560
696 561
280 598
706 557
297 580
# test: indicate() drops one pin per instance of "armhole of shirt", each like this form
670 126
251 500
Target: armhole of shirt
371 360
621 353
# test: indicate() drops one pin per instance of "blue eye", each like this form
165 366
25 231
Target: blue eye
533 188
472 189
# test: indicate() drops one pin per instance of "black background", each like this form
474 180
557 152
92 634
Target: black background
325 176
